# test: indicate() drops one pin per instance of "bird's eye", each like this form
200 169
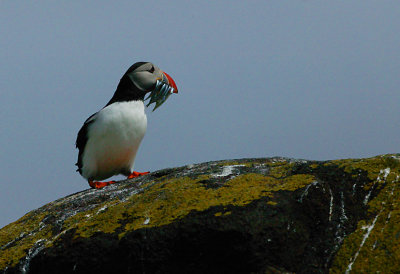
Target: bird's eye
152 69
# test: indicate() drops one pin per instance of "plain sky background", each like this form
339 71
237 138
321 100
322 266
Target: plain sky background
305 79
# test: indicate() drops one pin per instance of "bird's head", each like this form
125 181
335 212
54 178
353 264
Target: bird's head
149 78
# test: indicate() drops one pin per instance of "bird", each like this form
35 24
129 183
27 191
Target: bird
109 139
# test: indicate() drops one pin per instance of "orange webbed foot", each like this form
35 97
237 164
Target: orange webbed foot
100 185
137 174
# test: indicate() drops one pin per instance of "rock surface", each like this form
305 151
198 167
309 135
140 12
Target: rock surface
269 215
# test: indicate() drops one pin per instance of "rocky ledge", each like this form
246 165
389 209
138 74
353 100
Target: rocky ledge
269 215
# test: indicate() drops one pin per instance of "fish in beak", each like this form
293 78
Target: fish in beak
163 89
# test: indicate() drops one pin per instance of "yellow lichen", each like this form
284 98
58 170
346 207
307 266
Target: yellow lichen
279 169
374 245
175 198
168 199
372 165
29 230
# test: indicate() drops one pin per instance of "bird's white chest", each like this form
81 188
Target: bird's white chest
113 139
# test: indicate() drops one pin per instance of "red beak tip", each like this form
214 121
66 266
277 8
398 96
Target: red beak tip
171 82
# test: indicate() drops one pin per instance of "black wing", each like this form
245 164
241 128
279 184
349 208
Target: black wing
81 140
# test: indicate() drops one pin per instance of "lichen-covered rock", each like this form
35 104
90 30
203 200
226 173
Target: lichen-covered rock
270 215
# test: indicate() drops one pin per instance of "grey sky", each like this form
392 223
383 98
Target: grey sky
304 79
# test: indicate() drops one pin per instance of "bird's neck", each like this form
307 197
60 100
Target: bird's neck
127 91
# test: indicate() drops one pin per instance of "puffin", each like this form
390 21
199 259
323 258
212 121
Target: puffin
109 139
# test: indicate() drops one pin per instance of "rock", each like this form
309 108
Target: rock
270 215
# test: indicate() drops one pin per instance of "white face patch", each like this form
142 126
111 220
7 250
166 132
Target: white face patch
113 140
145 77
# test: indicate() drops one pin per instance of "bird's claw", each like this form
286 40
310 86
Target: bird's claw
100 185
137 174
